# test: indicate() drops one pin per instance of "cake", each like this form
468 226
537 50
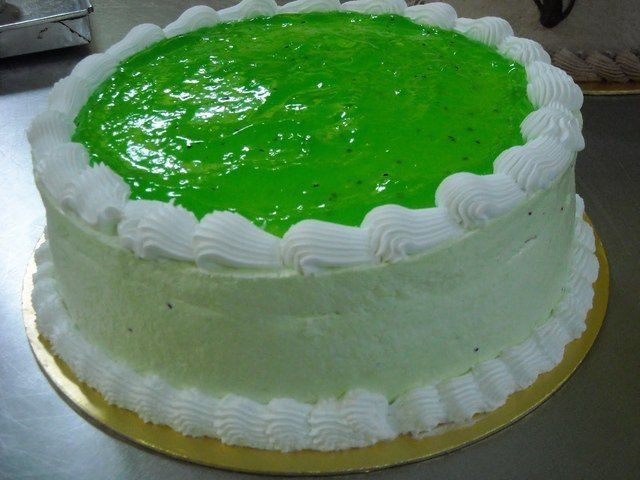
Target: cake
314 226
593 41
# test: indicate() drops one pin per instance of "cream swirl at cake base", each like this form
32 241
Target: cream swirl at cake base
358 418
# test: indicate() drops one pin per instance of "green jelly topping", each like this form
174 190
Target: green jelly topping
294 117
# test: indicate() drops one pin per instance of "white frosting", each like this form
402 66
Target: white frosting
523 50
249 9
154 229
585 237
357 419
488 30
462 398
133 212
536 164
554 121
375 6
229 241
63 163
138 38
288 425
98 196
396 232
48 130
226 239
549 84
307 6
311 246
95 69
473 200
69 95
192 19
526 362
579 206
438 14
590 270
240 421
189 411
419 411
551 339
495 381
578 115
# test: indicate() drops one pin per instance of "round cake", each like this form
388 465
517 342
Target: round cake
592 41
314 226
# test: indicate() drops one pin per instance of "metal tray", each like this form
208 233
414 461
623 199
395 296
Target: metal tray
28 26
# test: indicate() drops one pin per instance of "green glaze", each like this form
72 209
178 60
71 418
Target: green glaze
292 117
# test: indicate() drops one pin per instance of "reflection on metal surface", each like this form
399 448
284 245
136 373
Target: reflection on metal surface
206 451
35 25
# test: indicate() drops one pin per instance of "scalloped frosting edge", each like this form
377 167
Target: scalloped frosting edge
359 418
317 246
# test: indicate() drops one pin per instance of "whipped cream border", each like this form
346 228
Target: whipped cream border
357 419
387 234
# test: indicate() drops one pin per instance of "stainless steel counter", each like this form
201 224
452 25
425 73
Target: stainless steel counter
588 430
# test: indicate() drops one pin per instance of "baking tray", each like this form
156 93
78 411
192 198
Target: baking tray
28 26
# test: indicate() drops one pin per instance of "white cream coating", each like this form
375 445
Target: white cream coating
287 424
548 87
549 84
248 9
138 38
488 30
473 200
523 50
94 69
395 232
192 19
98 196
60 166
226 239
437 14
48 130
358 418
312 245
241 421
375 7
154 230
309 6
579 206
419 411
554 121
132 213
535 164
68 95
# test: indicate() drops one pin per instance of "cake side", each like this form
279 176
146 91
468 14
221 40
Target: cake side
359 418
268 334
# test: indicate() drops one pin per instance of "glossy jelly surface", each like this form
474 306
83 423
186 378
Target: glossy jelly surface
293 117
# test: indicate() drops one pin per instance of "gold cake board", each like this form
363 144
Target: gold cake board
127 425
610 88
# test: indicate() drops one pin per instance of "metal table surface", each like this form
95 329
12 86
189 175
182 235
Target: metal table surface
588 429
